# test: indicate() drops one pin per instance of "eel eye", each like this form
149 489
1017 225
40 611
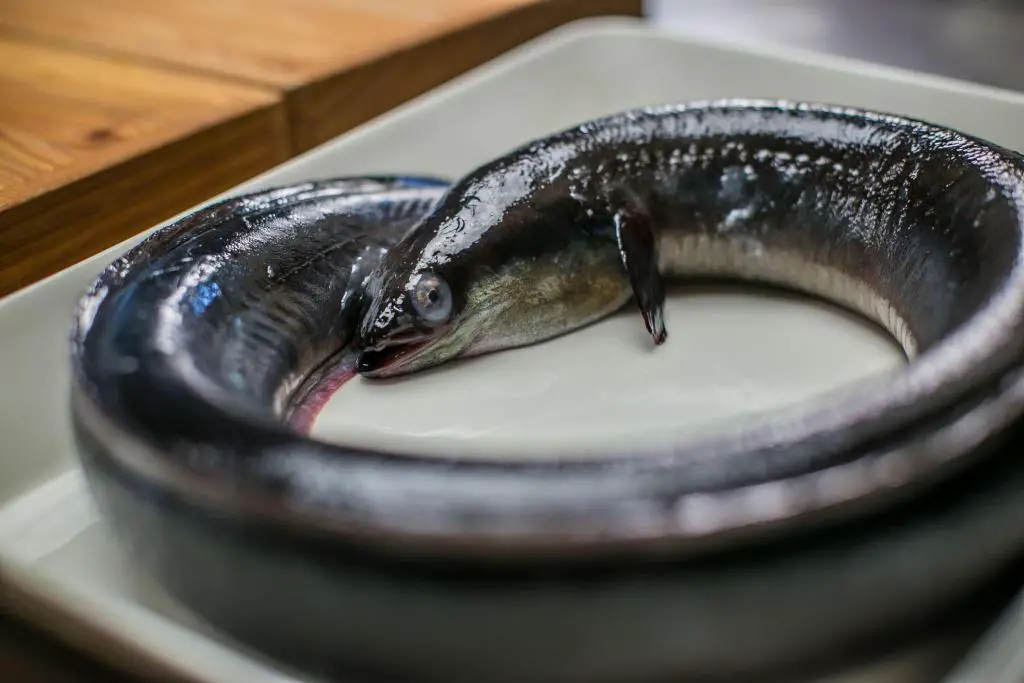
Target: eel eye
431 298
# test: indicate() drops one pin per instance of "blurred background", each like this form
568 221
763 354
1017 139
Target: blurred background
977 40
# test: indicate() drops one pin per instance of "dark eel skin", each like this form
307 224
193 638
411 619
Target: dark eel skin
800 540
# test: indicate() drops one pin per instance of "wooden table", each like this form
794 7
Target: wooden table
117 114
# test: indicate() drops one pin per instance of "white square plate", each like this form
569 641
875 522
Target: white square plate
65 567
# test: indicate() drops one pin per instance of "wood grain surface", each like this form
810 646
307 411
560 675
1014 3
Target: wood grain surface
117 114
328 107
285 43
338 63
94 149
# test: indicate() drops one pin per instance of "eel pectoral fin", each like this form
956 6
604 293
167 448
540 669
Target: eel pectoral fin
634 230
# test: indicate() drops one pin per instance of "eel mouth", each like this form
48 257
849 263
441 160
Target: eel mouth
387 360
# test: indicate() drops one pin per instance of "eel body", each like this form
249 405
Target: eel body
192 351
916 227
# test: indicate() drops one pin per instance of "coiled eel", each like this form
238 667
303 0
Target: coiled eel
191 351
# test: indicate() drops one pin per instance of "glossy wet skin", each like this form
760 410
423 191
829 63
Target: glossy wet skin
530 246
187 350
184 349
251 298
460 300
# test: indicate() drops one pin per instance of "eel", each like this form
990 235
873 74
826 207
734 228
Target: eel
192 351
